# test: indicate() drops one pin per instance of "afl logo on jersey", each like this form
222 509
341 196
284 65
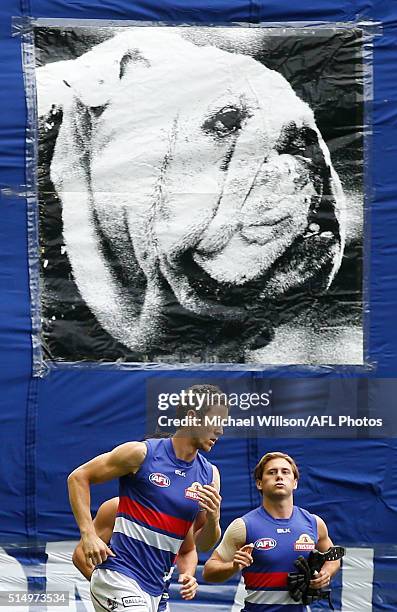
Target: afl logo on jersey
160 480
265 544
304 542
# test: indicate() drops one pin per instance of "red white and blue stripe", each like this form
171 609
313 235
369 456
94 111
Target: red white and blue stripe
154 515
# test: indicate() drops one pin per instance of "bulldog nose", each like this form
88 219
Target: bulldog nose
262 211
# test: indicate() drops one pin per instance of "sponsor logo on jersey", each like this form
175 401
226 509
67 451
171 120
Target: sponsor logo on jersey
265 544
304 542
112 604
180 473
159 479
132 600
283 530
191 492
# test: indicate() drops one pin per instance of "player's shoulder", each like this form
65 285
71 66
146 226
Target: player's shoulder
304 512
107 510
131 447
237 523
131 454
209 472
204 462
252 514
235 535
215 470
316 522
321 525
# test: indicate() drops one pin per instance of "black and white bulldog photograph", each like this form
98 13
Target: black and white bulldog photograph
200 195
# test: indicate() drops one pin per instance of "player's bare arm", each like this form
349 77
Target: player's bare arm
187 563
207 529
231 556
124 459
329 568
103 524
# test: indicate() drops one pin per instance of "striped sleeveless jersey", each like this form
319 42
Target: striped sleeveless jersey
278 543
156 510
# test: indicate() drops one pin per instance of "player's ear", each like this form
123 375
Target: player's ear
191 413
295 484
258 484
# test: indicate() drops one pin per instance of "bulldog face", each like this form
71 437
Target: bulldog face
200 171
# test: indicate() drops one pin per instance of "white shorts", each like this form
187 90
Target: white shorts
113 591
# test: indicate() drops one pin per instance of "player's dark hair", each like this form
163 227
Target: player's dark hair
157 435
259 468
213 396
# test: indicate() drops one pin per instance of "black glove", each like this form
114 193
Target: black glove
298 582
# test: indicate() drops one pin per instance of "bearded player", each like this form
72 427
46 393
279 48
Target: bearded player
266 542
164 484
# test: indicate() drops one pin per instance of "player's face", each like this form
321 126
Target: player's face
278 480
207 433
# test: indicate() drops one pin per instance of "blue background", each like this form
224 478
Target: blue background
50 425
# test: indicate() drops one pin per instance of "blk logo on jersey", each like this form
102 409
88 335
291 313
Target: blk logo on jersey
265 544
159 479
304 542
283 530
191 492
180 473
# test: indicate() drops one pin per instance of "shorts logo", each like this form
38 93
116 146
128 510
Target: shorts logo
265 544
191 492
304 542
159 479
132 600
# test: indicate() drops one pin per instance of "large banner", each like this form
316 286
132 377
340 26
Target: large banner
201 194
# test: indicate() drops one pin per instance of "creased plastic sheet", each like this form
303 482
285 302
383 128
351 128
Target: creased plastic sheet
201 195
355 472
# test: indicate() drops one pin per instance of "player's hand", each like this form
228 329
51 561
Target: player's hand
189 586
95 550
210 500
243 557
321 580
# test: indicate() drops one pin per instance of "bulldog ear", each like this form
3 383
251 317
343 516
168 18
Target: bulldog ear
132 56
88 79
94 77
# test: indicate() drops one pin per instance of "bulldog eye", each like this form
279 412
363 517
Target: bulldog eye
225 122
